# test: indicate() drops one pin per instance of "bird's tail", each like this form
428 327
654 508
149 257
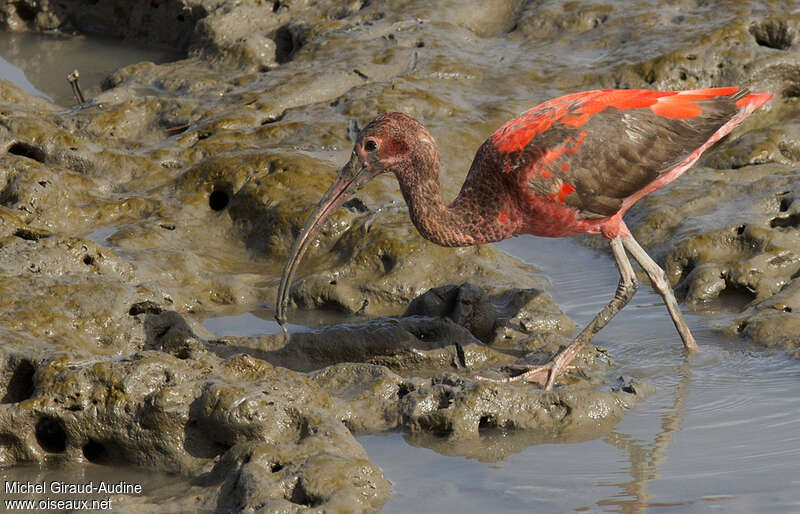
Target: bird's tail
753 101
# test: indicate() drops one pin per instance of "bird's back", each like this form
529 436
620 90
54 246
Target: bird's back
593 152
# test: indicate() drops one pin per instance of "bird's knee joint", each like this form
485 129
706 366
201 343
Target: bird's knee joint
626 290
659 280
632 288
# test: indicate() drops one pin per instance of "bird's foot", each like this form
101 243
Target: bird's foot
543 374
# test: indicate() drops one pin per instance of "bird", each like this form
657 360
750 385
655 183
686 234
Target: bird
571 165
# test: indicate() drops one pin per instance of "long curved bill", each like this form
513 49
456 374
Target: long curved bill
349 180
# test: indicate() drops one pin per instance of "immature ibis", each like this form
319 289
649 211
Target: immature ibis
572 165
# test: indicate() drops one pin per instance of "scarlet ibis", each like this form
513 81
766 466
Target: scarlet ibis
572 165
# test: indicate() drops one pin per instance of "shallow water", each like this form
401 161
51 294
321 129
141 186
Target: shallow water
55 480
40 63
720 433
247 324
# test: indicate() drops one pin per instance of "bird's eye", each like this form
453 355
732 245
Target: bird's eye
370 145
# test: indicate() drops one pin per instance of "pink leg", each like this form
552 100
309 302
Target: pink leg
659 280
546 374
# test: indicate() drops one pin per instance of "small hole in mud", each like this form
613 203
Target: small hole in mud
284 45
487 424
75 408
792 221
25 11
772 34
88 260
27 150
683 75
300 496
420 44
388 262
355 205
740 229
95 452
403 390
736 296
218 200
741 326
303 430
784 206
28 235
20 387
145 307
275 467
180 18
445 400
332 282
51 436
787 309
791 91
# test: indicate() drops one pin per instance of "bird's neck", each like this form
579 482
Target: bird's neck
469 220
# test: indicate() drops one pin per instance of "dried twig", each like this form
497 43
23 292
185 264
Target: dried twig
72 78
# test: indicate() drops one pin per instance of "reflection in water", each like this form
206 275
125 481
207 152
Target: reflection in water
720 432
242 325
645 459
53 482
247 324
236 322
496 444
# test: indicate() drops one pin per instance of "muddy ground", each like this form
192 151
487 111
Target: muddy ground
177 191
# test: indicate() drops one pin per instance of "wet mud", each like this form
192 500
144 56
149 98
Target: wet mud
175 193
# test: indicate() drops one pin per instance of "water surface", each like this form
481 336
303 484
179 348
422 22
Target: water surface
40 63
721 433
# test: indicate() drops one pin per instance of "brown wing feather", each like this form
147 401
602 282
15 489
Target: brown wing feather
615 153
626 150
592 150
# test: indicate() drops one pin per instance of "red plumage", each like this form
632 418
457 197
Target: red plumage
578 162
571 165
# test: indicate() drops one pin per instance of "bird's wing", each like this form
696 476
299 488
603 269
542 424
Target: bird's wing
592 150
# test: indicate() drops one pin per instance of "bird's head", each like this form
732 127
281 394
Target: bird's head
395 142
392 142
